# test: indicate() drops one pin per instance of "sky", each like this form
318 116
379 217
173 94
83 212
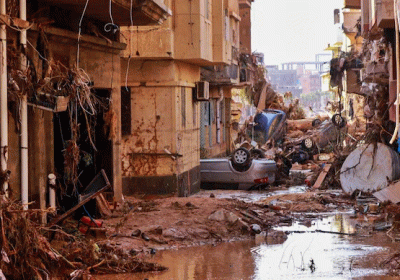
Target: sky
293 30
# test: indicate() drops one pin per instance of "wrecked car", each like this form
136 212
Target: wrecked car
270 124
240 171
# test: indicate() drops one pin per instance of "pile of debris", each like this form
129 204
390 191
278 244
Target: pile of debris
29 250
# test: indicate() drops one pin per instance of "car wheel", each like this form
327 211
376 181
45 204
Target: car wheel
241 157
307 143
257 153
338 120
316 122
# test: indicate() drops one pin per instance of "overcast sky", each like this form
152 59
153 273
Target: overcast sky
292 30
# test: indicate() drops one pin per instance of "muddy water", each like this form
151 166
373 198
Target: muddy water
335 256
250 196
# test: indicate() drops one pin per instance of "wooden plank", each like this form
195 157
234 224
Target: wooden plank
322 176
103 206
86 199
390 193
263 97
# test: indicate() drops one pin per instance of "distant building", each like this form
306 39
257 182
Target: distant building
310 81
284 80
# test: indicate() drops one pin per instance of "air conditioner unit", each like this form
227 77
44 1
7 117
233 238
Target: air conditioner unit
202 91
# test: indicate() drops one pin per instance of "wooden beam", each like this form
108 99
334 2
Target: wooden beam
322 176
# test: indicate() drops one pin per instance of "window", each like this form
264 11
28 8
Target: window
126 114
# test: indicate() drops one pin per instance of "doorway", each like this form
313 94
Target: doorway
94 147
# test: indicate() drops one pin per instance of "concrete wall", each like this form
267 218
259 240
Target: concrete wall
165 119
245 26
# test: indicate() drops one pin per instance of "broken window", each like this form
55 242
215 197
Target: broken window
126 114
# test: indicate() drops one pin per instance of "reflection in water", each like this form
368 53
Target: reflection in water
333 255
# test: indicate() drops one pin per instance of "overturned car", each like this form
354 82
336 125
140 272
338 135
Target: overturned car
240 171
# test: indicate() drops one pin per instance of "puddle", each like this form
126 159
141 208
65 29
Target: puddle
335 256
250 196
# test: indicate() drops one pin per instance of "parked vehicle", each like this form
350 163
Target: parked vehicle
241 171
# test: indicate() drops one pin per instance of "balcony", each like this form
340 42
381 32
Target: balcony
350 19
144 12
352 4
384 12
193 32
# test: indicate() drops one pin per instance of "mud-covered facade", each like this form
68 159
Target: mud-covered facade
168 124
69 38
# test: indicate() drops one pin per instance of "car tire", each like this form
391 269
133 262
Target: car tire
307 143
241 157
316 122
338 120
257 153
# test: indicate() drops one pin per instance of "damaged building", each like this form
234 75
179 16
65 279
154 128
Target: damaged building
61 84
176 91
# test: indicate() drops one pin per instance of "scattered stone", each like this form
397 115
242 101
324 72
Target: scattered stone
174 233
231 218
218 215
198 232
212 195
145 237
156 229
191 206
136 233
255 228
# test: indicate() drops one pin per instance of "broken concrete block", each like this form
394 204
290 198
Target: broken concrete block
231 218
218 215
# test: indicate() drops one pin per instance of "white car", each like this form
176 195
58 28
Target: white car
238 172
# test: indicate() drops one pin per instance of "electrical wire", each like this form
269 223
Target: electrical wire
131 13
108 27
130 48
79 33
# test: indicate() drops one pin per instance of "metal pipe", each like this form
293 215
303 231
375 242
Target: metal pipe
24 117
396 130
3 97
52 191
221 97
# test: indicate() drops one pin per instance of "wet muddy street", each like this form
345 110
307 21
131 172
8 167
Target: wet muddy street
326 249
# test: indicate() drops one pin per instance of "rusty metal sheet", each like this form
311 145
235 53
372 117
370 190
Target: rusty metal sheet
391 193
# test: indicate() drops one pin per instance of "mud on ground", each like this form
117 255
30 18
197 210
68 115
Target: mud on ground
173 222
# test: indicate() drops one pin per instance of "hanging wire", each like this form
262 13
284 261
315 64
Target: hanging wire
131 13
79 33
130 49
111 26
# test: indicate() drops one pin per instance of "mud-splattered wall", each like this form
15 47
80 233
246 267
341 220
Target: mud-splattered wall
161 154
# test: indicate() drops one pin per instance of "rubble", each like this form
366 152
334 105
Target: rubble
30 250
